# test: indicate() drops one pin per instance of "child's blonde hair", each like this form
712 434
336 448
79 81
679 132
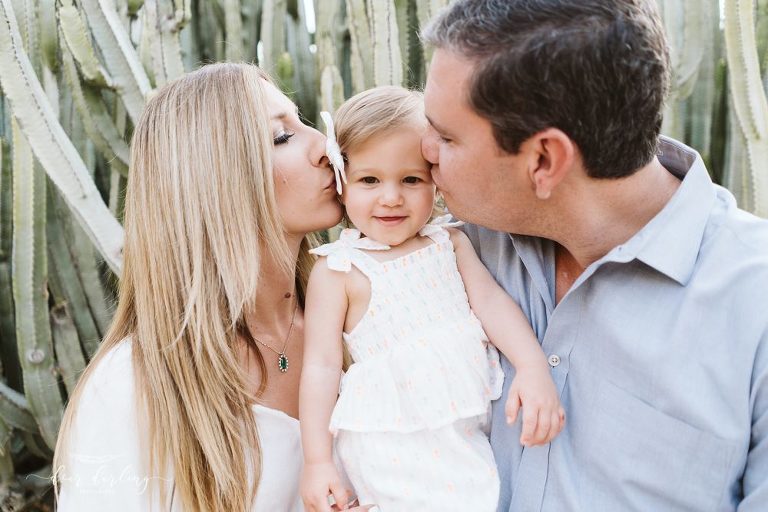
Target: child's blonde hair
377 111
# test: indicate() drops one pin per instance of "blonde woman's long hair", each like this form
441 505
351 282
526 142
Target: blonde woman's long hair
199 207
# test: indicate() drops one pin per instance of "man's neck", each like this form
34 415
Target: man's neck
606 213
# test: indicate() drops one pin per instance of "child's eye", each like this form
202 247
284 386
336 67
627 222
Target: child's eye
370 180
411 180
282 138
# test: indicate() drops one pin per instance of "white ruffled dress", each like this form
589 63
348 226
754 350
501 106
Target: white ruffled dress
410 421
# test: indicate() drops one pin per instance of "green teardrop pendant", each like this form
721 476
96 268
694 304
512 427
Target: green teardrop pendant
282 363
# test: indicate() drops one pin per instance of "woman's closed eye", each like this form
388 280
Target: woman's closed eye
282 138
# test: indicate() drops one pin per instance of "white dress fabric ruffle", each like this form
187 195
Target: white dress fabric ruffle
412 410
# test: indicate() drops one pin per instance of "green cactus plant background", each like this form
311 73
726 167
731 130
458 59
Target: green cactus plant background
75 75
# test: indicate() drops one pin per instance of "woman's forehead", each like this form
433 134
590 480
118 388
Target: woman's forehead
278 103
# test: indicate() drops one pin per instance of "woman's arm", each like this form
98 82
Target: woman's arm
325 311
509 330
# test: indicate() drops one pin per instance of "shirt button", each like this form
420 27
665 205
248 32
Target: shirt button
554 360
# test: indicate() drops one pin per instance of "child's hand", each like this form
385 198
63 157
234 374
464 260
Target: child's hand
543 417
318 481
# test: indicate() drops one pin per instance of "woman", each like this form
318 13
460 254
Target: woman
191 401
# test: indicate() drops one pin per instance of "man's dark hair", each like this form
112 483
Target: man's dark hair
595 69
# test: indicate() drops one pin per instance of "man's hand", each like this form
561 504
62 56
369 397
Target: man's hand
543 417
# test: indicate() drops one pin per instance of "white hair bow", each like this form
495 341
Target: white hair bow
333 151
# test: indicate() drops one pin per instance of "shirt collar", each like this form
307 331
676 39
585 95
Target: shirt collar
670 242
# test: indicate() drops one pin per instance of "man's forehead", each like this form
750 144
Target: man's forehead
447 88
448 77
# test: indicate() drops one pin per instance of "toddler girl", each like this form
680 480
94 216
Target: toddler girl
411 416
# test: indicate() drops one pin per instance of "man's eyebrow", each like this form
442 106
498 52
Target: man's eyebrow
436 126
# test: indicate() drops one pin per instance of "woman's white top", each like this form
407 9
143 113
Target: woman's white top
106 466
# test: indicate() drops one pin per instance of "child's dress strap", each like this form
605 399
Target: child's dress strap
436 229
345 251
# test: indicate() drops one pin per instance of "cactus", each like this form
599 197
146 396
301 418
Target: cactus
686 32
385 39
425 11
750 106
51 145
118 54
162 25
233 29
360 38
702 102
29 273
272 33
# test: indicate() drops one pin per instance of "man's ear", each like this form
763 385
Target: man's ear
552 158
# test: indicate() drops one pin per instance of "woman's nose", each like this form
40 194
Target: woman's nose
317 149
429 146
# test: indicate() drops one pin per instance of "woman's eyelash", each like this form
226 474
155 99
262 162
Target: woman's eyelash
282 138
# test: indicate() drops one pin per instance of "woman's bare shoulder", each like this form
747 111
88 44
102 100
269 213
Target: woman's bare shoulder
111 382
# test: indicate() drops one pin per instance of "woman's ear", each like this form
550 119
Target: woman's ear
552 157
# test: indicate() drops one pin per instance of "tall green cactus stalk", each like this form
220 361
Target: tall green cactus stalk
74 35
118 54
273 33
361 66
304 74
328 38
64 275
387 62
162 24
703 100
8 350
686 33
410 45
29 290
233 23
750 105
51 145
97 120
425 11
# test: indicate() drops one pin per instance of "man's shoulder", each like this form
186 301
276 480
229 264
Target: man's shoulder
490 244
737 236
748 232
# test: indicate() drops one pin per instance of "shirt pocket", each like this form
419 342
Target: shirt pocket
642 459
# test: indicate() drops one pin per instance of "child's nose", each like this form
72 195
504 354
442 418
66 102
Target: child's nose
391 196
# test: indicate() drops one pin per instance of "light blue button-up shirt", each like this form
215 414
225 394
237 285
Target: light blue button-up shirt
660 353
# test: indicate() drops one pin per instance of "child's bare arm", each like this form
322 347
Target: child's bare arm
508 329
325 310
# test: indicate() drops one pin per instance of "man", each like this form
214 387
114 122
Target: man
646 286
